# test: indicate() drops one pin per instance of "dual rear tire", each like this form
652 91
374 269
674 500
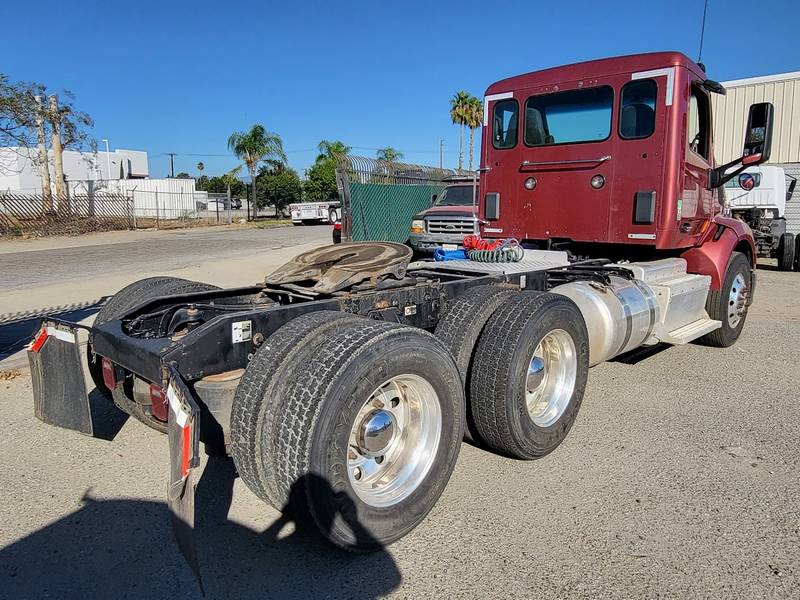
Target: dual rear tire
524 360
350 423
355 425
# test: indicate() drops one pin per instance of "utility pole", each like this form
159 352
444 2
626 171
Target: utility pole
171 164
441 153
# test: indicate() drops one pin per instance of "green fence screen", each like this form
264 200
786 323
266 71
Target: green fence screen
384 211
380 198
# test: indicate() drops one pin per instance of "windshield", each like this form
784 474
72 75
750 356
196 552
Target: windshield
455 196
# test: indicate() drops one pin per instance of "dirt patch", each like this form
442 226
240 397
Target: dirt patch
10 375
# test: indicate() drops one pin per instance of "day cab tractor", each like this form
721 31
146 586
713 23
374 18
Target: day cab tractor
342 385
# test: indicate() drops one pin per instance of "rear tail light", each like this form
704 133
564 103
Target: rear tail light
109 374
158 400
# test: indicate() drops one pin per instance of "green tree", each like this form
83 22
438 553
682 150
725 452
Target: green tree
254 147
320 182
458 114
278 188
473 118
329 149
389 154
183 175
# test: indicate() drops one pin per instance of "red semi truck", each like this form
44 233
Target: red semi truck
342 384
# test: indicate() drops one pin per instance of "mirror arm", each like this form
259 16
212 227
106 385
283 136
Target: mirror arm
718 177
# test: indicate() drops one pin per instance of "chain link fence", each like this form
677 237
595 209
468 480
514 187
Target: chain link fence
379 198
105 205
31 215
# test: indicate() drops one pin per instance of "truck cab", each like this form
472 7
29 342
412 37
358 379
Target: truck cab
451 217
612 158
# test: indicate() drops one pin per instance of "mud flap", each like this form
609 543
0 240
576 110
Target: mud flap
183 431
59 386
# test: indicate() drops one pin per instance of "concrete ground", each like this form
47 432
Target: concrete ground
680 479
67 276
63 271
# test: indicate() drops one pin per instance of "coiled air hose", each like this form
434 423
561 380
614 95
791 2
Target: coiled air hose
499 255
496 251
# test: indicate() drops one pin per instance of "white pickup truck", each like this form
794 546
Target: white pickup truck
315 212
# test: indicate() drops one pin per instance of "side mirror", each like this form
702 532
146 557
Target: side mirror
757 145
758 135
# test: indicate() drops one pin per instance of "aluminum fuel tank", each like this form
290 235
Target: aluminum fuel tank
619 317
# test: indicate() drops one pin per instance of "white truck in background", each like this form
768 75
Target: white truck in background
758 196
304 213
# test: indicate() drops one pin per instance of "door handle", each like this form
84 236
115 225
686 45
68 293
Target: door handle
529 163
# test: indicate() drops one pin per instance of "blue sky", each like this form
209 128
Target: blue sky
181 76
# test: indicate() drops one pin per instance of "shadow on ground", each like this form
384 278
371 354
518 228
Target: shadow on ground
15 335
125 549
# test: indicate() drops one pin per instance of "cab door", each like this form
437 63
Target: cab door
697 202
639 157
499 209
566 165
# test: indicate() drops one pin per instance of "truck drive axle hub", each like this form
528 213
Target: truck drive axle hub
377 432
551 378
394 440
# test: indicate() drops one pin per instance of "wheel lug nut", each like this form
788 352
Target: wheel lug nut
357 473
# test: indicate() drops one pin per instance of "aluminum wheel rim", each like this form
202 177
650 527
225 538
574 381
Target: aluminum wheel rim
737 301
394 440
551 376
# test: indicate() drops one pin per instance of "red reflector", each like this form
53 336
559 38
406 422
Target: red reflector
158 400
187 449
337 226
39 340
109 374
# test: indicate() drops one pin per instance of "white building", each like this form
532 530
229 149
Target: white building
730 119
20 173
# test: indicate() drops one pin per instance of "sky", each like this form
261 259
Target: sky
175 76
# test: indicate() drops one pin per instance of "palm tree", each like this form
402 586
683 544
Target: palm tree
257 146
329 149
473 119
458 104
389 154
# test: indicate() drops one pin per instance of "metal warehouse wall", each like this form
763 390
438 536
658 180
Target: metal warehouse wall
730 116
793 204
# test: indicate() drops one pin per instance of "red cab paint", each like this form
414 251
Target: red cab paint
627 119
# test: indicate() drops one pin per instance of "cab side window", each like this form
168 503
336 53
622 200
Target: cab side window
637 110
505 123
698 123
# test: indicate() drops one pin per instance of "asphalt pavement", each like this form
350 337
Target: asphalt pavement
70 277
680 479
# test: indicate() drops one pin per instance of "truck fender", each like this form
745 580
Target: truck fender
711 256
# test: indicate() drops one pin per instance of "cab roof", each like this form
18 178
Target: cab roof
596 68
